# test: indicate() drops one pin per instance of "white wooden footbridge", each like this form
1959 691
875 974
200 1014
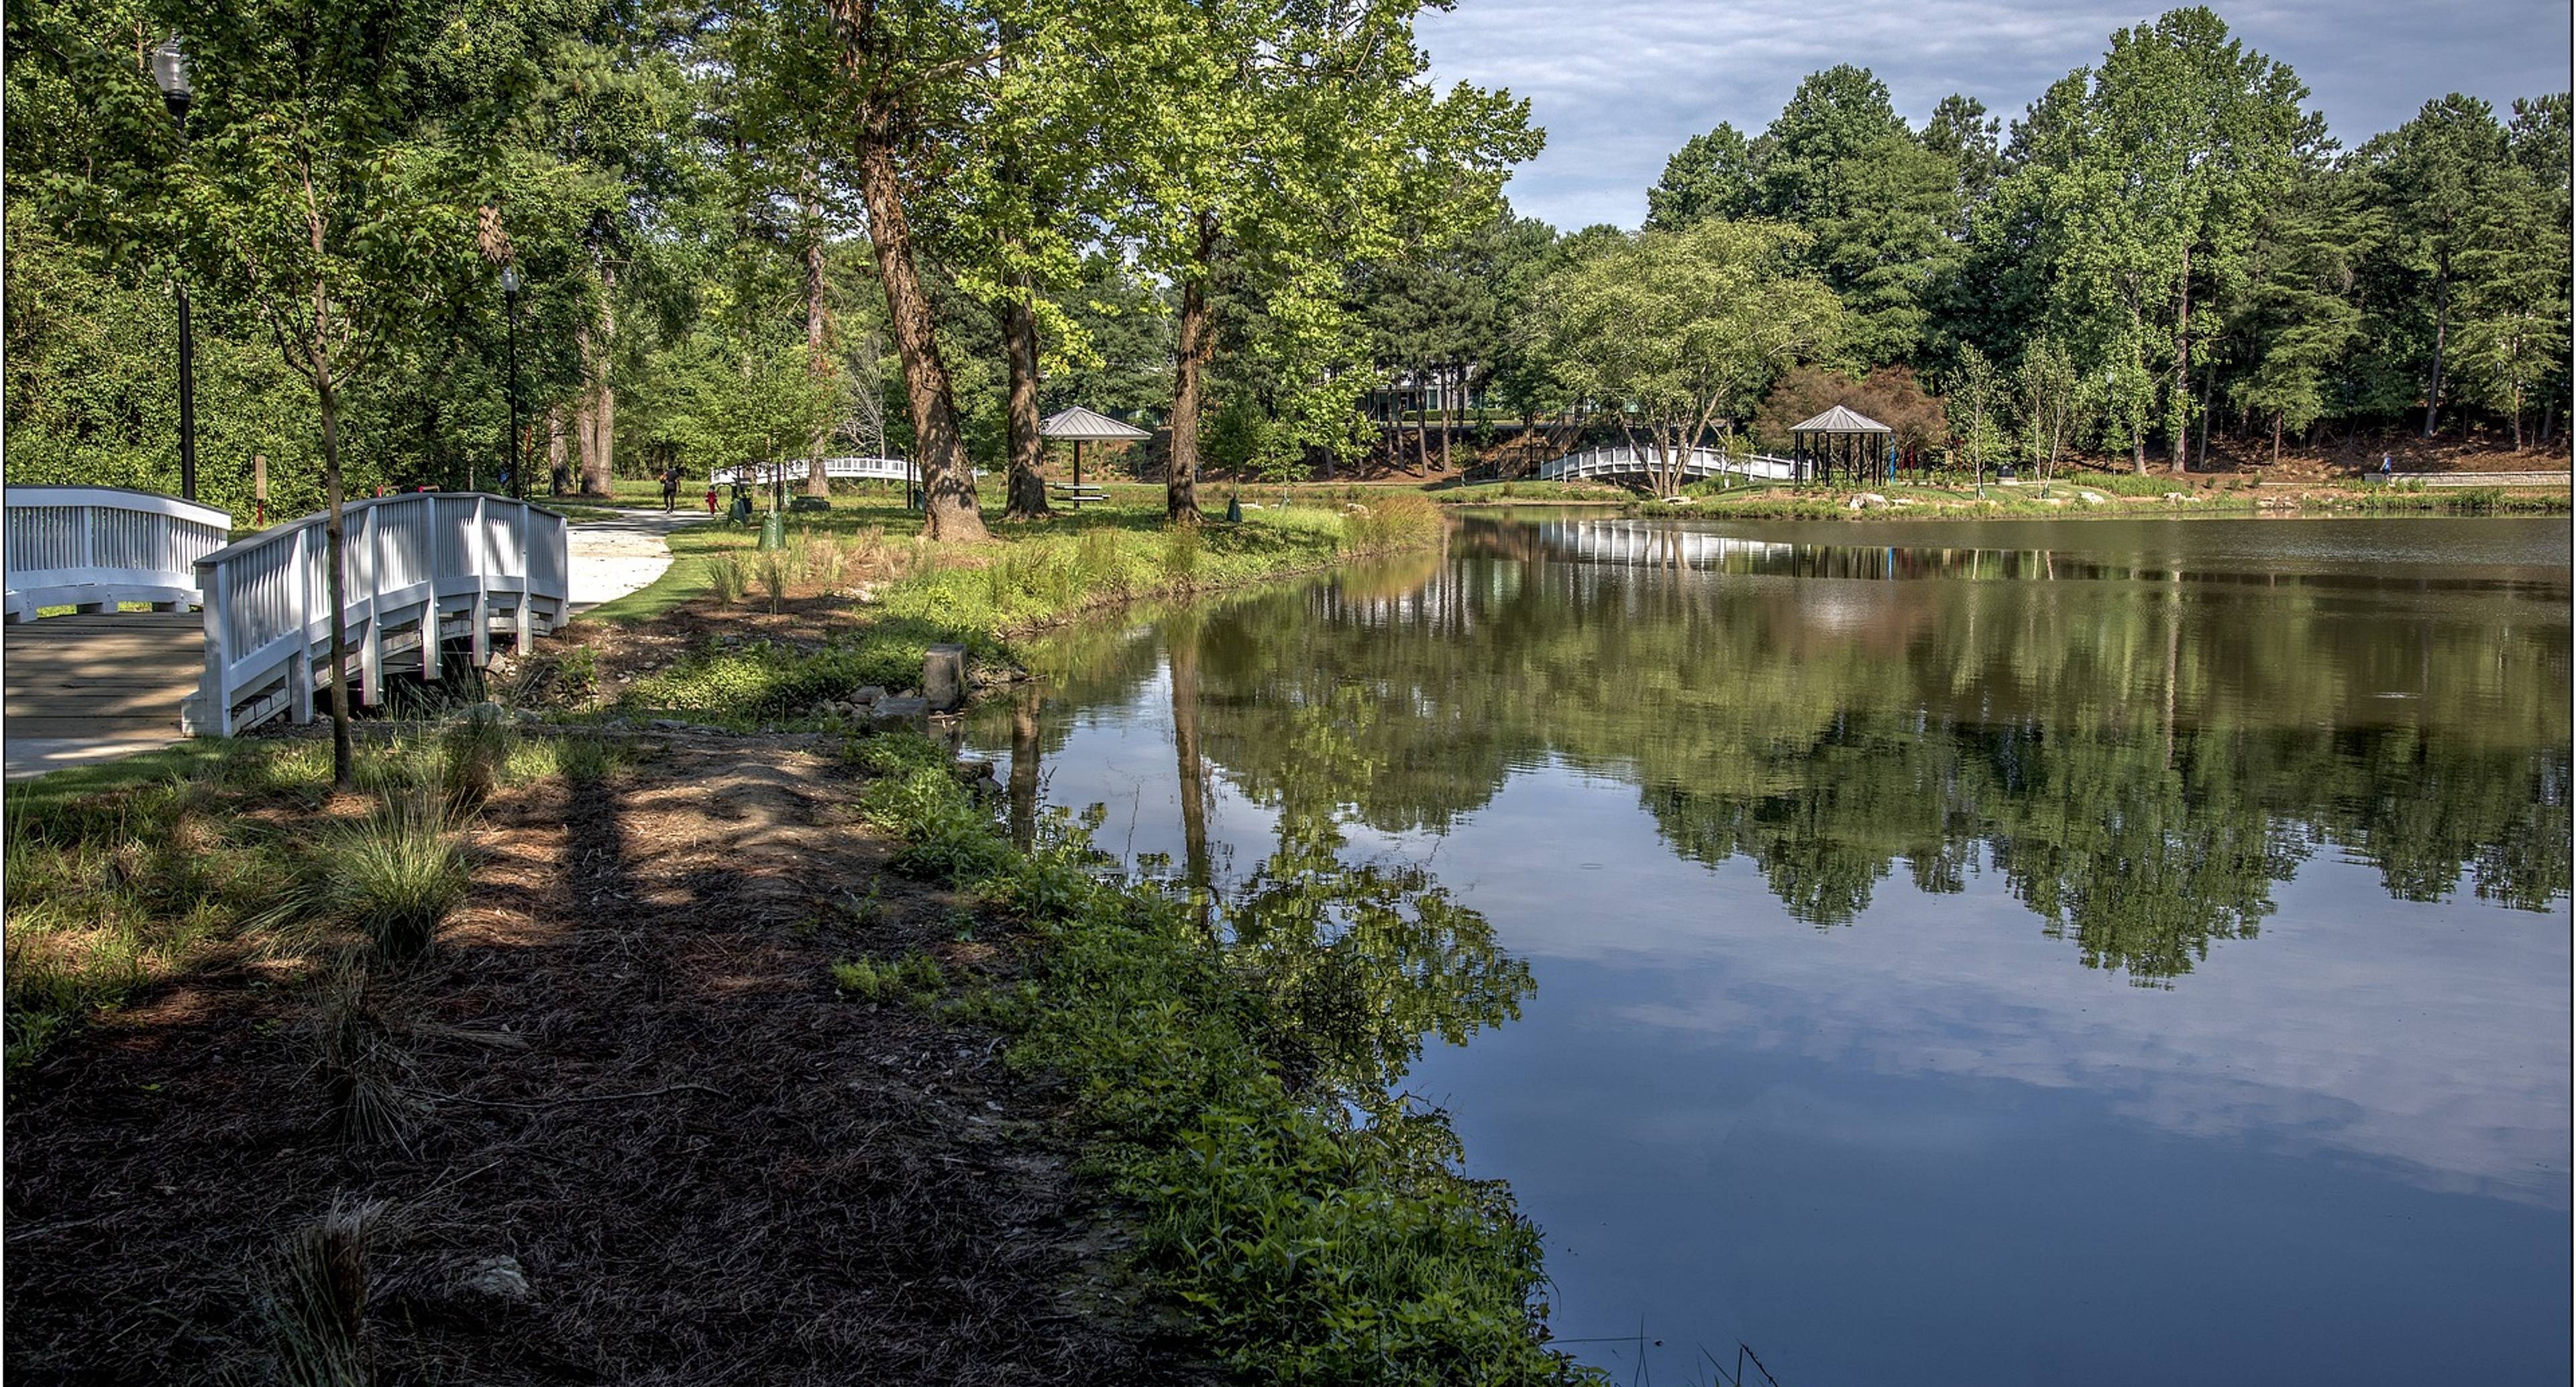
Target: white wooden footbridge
1640 467
795 470
421 569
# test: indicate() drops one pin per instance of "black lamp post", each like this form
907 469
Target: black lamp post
518 479
170 73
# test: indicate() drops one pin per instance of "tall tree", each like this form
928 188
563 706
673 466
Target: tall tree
1711 175
1679 333
1302 141
904 70
2152 168
2435 175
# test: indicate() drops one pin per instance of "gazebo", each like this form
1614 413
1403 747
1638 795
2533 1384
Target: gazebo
1079 426
1839 434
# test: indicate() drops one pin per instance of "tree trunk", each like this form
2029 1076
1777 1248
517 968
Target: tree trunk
1185 745
2208 382
818 362
1028 498
951 512
1024 770
598 474
2441 333
344 764
1181 474
2180 431
1451 380
556 476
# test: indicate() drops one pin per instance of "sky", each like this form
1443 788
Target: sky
1619 84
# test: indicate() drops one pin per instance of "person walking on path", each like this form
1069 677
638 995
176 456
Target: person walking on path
711 500
670 488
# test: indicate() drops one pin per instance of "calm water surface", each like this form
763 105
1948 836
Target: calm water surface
2107 952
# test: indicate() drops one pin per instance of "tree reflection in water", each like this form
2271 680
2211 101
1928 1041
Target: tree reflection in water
2142 747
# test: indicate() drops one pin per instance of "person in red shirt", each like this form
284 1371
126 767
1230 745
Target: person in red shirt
711 500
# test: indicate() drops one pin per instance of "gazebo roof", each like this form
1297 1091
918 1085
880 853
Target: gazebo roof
1841 420
1088 426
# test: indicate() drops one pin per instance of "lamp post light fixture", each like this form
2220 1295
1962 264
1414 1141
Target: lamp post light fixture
170 73
515 476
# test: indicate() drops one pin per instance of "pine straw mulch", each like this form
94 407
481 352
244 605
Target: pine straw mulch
628 1071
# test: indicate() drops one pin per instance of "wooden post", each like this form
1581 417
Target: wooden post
299 670
371 644
943 677
482 632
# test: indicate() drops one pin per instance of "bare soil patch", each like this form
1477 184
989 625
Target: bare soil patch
648 1141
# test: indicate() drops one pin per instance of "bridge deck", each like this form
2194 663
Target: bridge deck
105 676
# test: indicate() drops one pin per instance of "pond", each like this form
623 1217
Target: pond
2105 951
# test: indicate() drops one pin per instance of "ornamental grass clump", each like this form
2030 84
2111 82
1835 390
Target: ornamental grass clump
392 876
773 568
312 1301
1401 520
728 577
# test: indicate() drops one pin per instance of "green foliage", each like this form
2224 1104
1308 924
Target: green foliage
1181 550
125 873
946 838
769 679
896 753
1684 329
915 980
1300 1245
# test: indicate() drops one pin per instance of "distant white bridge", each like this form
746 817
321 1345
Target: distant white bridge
1631 465
795 470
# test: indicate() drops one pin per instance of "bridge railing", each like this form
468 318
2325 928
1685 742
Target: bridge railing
795 470
1630 462
92 547
2518 479
419 568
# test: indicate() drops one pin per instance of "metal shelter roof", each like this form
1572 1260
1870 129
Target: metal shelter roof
1840 420
1088 426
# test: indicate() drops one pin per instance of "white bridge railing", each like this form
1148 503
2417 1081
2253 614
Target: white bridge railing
92 547
1603 463
2552 479
421 568
795 470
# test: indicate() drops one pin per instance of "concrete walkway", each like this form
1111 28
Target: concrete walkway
611 558
58 667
